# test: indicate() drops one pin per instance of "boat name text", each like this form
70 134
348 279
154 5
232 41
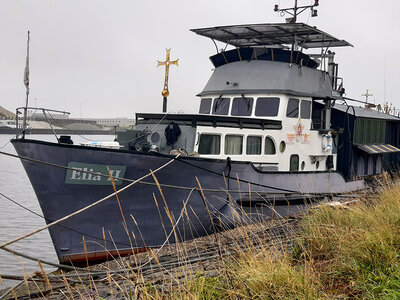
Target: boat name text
80 175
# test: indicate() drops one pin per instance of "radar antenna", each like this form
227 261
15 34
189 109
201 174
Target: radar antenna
166 63
296 10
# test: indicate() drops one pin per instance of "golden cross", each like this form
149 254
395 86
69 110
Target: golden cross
366 95
166 63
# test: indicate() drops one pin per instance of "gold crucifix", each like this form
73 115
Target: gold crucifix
166 63
366 95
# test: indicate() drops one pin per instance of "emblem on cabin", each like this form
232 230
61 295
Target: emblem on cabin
91 174
298 136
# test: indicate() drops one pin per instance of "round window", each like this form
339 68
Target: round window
155 137
282 146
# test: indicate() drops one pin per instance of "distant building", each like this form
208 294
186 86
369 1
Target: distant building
112 122
6 114
37 119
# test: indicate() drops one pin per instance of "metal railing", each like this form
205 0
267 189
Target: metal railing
24 111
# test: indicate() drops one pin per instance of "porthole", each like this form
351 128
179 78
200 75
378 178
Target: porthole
282 146
303 165
155 137
317 164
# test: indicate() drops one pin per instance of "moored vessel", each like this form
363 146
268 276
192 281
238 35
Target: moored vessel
263 143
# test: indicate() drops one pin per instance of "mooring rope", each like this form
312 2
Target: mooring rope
209 254
99 273
46 262
66 227
282 190
85 208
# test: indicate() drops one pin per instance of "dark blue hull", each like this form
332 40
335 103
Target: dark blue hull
61 192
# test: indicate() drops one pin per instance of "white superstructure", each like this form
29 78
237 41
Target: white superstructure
296 147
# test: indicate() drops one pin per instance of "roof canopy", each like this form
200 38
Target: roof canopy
271 35
378 148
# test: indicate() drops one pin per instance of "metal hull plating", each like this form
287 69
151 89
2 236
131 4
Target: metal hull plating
149 219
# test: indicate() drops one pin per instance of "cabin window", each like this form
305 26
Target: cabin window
221 106
233 144
209 144
267 107
305 111
269 148
294 163
242 106
292 108
253 145
205 106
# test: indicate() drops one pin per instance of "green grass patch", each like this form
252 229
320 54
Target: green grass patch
350 252
356 250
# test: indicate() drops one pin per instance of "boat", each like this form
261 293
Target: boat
270 137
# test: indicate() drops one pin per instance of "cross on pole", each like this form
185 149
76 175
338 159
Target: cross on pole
166 63
366 95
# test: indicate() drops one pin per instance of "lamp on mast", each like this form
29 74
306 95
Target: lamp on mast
296 10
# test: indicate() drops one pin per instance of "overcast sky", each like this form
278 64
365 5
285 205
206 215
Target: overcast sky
98 58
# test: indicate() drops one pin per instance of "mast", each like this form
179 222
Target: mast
296 10
26 83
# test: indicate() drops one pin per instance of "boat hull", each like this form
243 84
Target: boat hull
143 216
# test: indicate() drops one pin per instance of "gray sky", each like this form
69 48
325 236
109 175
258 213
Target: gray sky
98 58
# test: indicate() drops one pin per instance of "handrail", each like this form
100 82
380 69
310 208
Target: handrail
44 110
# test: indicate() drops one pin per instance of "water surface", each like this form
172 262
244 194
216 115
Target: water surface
16 221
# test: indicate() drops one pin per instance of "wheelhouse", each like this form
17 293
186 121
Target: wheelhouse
258 105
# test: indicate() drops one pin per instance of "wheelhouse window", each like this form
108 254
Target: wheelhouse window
242 106
305 109
267 107
294 163
253 145
269 148
233 144
210 144
221 106
292 108
205 106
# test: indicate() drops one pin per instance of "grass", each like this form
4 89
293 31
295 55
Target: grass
335 253
351 252
356 250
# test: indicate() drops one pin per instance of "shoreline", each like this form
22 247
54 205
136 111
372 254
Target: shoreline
14 131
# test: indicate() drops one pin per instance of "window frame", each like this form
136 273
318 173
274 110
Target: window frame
235 135
213 111
261 143
301 109
210 134
210 108
273 143
290 162
239 98
259 99
293 110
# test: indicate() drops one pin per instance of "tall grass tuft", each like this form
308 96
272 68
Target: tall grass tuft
346 251
340 252
356 250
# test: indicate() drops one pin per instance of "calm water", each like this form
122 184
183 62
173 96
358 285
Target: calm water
15 221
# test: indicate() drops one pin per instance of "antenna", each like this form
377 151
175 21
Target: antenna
296 10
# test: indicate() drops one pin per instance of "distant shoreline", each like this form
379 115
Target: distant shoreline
5 130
